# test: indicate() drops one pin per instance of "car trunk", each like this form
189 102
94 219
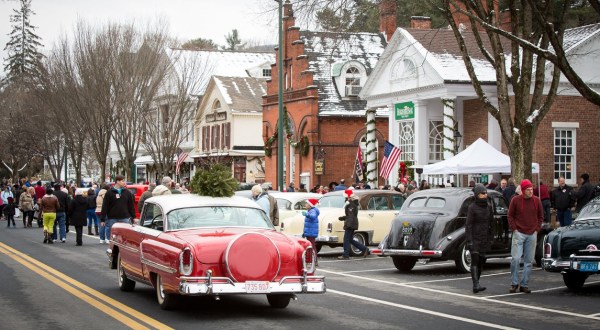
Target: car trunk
412 231
579 236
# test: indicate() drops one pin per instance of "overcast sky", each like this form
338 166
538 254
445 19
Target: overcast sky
188 19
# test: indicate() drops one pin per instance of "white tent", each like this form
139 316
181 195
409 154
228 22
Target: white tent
479 157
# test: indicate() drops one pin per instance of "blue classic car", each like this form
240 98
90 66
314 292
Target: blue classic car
574 250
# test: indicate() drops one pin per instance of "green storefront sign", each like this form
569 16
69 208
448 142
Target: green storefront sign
405 110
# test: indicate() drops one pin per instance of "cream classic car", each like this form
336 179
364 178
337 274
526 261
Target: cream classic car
292 203
377 210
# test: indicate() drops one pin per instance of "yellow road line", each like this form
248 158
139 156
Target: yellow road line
47 272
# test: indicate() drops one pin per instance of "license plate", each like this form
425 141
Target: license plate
588 266
257 287
407 230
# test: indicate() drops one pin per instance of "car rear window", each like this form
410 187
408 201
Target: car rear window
217 216
133 191
332 201
432 202
283 204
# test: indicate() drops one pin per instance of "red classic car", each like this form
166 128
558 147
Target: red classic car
137 190
196 245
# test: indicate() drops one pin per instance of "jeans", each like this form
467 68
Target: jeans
546 206
92 218
564 217
522 245
348 240
60 221
109 223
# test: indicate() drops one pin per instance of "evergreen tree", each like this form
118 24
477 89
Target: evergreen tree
200 43
24 58
233 41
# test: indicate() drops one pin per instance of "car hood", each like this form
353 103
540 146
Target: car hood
577 236
209 245
412 231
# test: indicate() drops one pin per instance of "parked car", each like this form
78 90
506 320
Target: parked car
292 203
431 225
137 190
206 246
574 250
377 208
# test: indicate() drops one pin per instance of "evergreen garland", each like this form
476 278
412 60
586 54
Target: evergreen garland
302 143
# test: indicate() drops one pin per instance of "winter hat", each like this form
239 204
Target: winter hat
312 202
585 177
348 193
526 184
479 189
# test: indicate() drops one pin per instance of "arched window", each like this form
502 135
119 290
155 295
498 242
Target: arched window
406 140
353 76
217 106
436 141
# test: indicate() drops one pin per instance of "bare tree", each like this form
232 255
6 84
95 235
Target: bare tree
174 108
523 95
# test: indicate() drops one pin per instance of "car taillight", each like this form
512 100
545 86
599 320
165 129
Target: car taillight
330 227
547 250
186 262
281 226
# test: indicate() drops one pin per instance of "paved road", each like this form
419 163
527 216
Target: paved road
69 287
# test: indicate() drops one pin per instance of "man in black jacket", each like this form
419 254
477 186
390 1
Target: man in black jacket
118 205
585 192
61 213
563 200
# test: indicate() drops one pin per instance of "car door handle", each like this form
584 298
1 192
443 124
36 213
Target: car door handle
371 214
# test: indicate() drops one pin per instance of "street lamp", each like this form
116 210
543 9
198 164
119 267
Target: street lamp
457 138
280 185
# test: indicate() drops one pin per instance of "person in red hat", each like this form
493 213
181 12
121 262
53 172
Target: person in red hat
311 222
350 225
525 216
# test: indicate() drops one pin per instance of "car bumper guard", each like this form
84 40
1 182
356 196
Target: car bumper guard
410 253
210 285
322 238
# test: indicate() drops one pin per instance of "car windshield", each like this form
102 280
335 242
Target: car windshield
590 211
217 216
337 201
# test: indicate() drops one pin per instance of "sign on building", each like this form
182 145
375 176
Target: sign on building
405 110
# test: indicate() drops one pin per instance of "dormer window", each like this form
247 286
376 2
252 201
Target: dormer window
353 86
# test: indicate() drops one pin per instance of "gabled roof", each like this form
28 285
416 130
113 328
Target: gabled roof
326 49
575 36
242 94
220 62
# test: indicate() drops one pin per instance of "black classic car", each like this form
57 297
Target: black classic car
431 225
574 250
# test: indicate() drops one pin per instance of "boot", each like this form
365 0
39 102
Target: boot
96 229
90 230
475 278
50 241
45 236
481 288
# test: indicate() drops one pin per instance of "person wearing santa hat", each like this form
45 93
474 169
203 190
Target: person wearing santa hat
311 222
350 225
525 216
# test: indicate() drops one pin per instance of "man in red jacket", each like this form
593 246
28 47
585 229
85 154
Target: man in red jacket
525 216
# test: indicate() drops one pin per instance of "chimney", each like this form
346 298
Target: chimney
387 18
420 22
462 19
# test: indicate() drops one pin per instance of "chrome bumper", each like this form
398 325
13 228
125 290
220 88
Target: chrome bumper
411 253
555 265
333 239
222 285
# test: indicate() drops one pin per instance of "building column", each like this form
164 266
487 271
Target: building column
449 104
371 146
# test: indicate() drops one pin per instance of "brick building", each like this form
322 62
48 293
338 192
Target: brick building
323 75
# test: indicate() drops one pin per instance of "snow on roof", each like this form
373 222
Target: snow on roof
242 94
208 63
574 36
325 49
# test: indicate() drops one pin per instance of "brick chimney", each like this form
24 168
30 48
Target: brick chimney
387 18
463 19
420 22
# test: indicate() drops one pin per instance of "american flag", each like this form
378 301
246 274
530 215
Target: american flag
390 157
181 157
359 164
